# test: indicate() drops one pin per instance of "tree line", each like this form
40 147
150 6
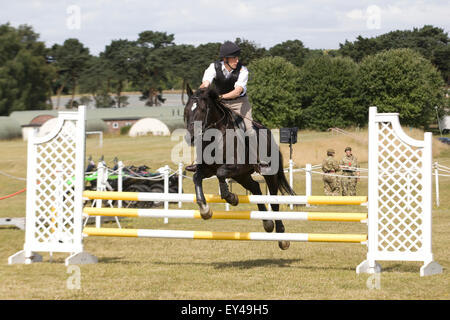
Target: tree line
290 85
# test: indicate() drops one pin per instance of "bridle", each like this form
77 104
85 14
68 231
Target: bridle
205 120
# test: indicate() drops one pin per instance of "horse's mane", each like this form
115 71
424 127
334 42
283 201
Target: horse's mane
213 97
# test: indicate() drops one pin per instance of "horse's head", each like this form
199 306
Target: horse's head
197 109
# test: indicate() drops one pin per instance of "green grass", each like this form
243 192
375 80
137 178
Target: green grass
132 268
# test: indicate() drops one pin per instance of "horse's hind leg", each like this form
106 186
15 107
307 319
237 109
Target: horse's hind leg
248 183
272 184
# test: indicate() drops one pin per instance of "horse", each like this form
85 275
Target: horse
205 108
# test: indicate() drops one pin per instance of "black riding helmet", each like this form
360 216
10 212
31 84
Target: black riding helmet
229 49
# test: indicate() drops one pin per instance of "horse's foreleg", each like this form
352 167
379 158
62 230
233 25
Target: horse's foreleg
205 210
225 193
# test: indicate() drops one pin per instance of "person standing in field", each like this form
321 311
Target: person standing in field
350 169
330 167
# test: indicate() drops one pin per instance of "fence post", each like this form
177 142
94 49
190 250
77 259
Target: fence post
308 174
120 182
166 190
227 205
100 187
291 178
180 181
436 179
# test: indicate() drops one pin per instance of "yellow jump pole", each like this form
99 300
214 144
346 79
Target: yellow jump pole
236 215
217 235
212 198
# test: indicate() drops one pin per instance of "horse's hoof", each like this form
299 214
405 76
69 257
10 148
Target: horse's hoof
233 199
268 225
284 245
206 213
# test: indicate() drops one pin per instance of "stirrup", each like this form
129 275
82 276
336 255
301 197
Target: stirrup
263 163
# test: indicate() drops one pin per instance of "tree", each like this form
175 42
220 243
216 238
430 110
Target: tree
292 50
431 42
249 51
327 94
118 60
402 81
359 49
155 39
273 91
25 75
189 63
183 65
70 59
96 79
148 61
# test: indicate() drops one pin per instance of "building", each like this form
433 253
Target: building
107 120
146 126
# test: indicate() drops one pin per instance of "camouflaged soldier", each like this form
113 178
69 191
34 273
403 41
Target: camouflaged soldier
349 165
330 167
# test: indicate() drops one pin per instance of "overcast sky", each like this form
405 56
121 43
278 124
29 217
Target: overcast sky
318 24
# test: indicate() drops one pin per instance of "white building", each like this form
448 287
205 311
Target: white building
147 126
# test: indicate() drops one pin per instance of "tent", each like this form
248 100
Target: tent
147 126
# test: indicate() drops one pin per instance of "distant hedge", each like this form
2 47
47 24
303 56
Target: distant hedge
402 81
9 128
328 92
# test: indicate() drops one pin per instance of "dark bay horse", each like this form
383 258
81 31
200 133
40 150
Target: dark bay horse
203 114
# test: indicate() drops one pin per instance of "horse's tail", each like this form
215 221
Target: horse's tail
283 184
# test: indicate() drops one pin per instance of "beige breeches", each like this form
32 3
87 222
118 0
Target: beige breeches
241 106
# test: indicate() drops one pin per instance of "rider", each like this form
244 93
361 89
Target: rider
230 77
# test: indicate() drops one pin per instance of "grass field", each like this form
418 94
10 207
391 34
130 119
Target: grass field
132 268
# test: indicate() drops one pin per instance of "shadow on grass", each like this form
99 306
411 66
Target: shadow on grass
114 260
401 268
260 263
242 264
257 263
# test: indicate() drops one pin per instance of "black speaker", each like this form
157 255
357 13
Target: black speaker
288 135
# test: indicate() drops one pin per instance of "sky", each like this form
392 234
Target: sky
320 24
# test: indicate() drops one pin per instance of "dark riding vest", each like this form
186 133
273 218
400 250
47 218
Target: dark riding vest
221 83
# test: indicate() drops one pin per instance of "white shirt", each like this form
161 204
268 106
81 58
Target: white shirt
242 80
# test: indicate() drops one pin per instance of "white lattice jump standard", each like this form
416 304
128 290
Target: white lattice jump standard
399 208
54 207
399 203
